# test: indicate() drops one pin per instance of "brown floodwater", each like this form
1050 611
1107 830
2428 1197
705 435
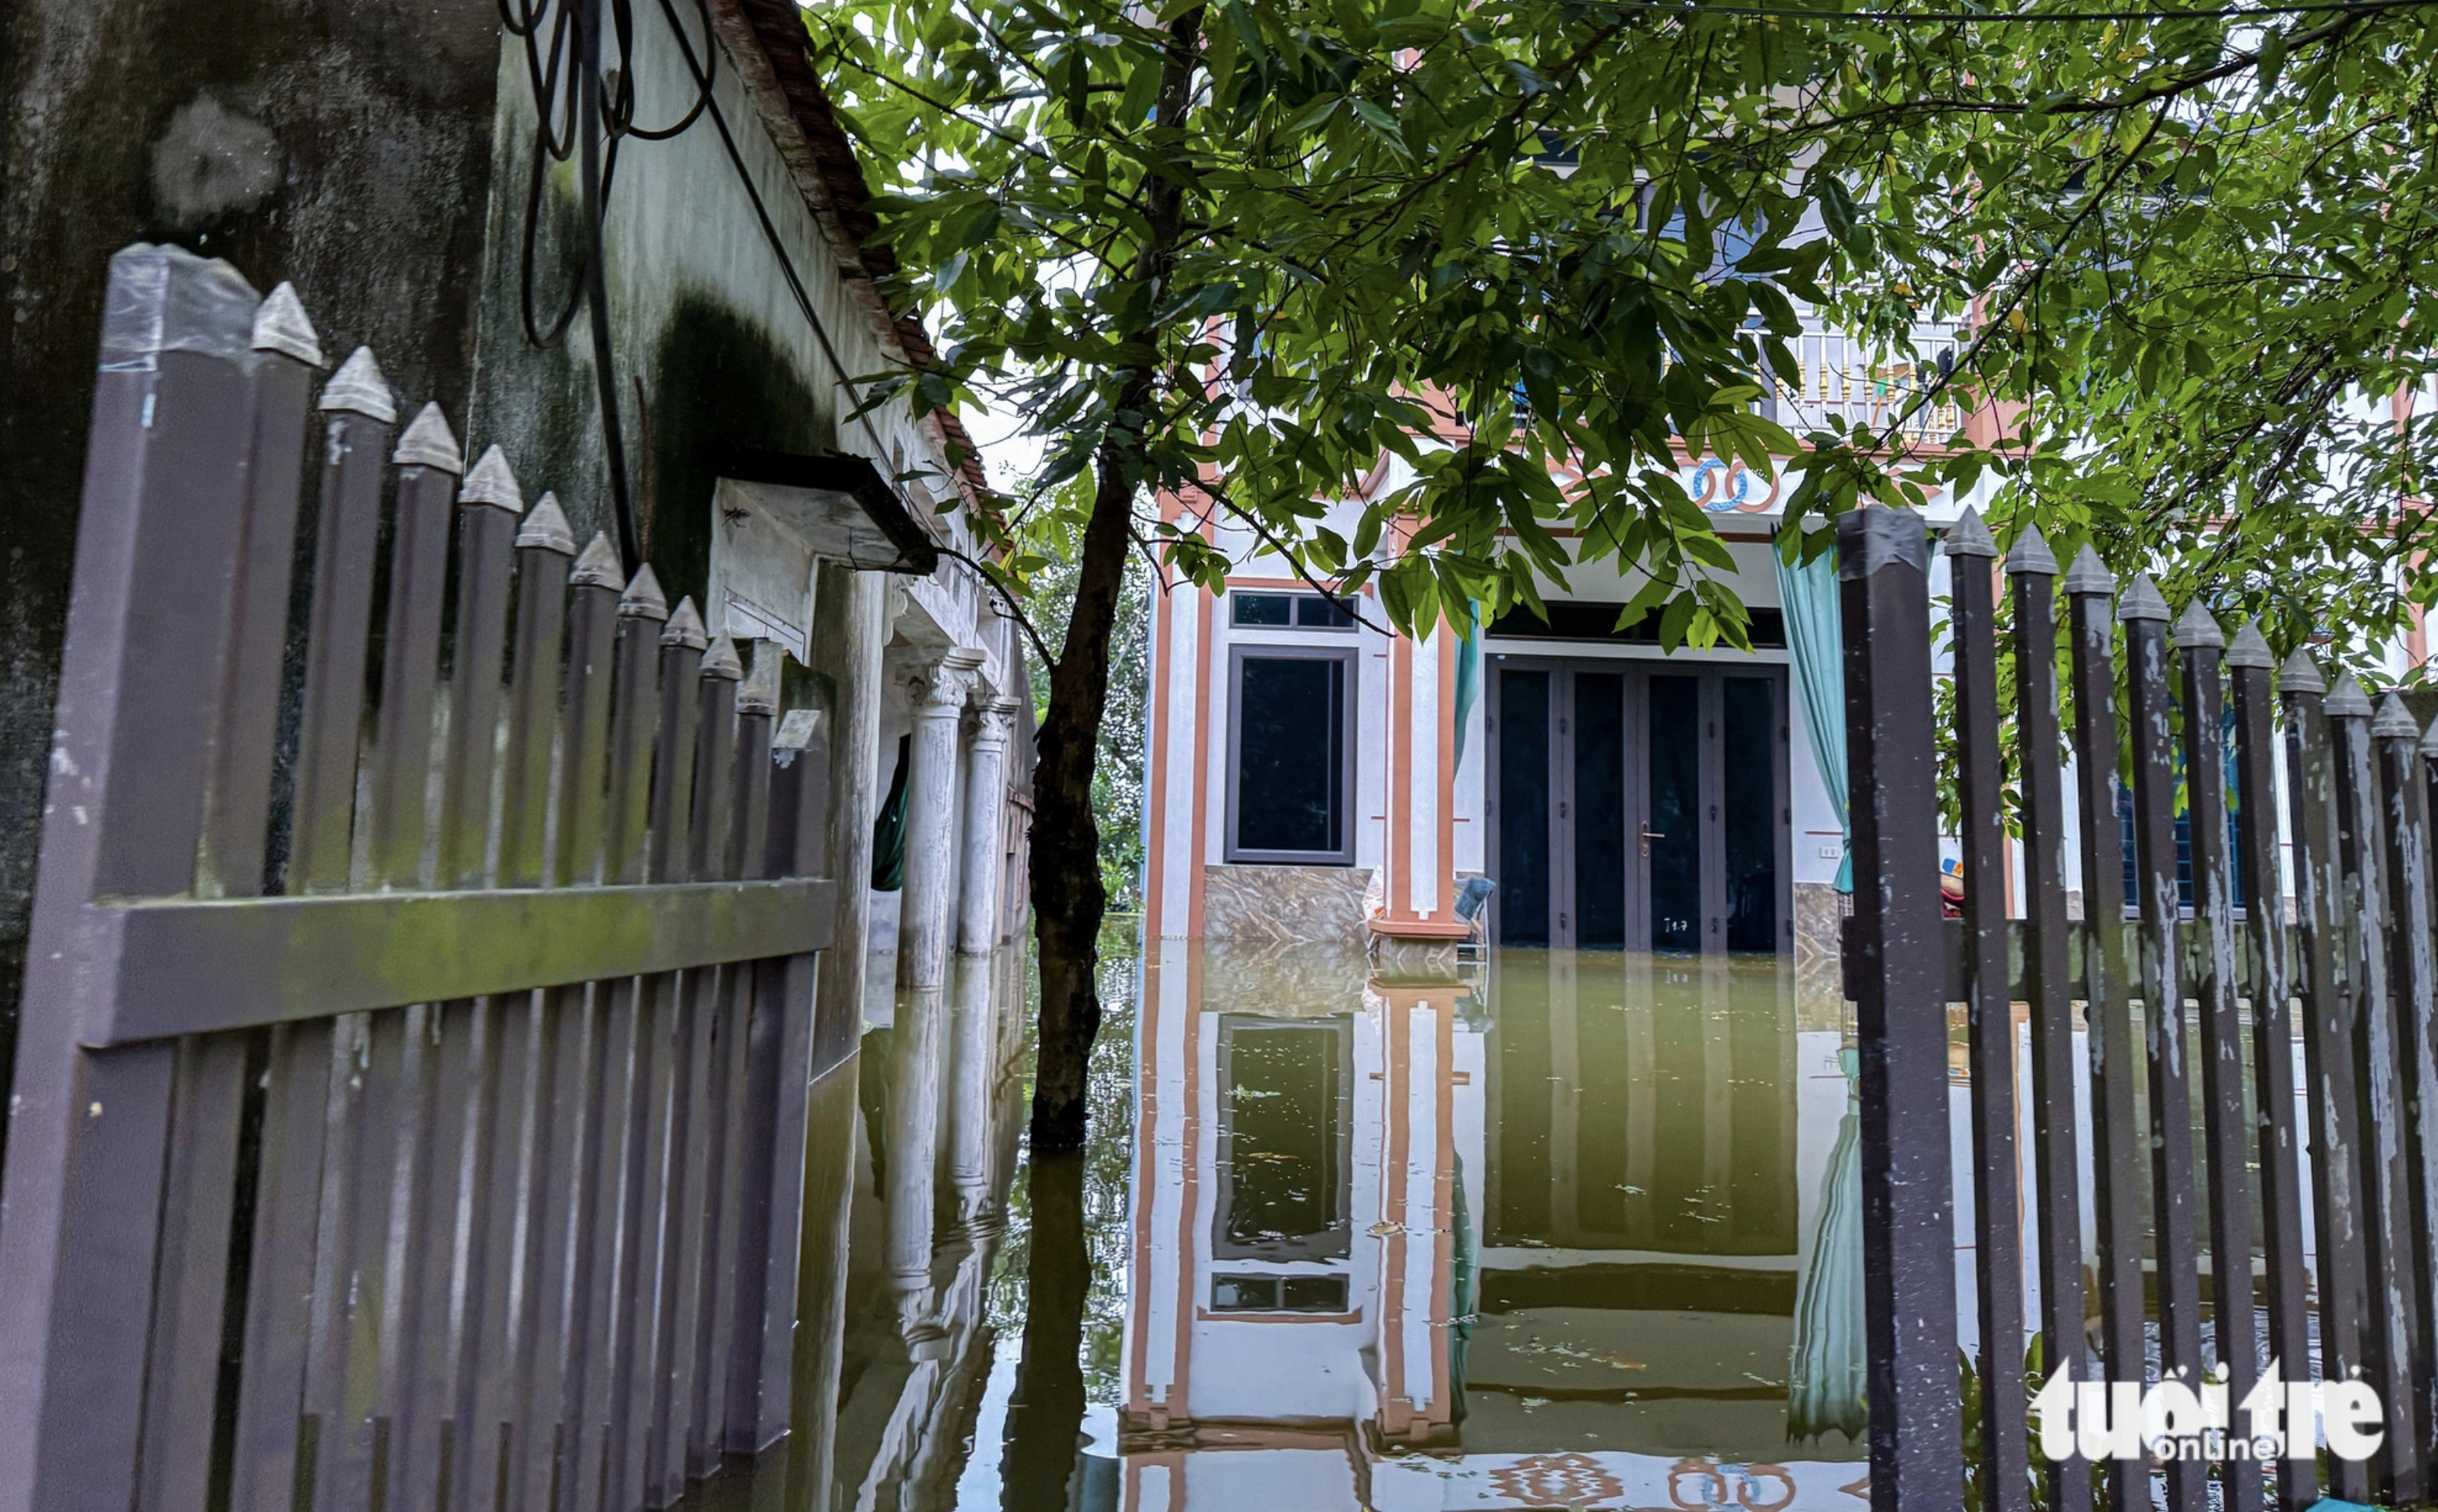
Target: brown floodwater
1552 1230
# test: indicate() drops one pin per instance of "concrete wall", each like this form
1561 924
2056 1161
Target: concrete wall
342 147
377 156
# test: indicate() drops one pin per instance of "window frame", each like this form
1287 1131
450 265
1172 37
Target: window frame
1297 603
1335 1242
1238 654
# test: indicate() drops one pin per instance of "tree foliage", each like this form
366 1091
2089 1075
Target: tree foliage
1399 227
2199 251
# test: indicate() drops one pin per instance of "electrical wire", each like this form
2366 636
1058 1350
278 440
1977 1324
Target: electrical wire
770 231
588 122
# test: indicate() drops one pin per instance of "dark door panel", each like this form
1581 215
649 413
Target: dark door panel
1638 805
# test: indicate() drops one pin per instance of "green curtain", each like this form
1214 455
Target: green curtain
1468 674
1831 1358
889 829
1808 595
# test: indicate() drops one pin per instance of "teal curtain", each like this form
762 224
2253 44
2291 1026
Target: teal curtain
889 829
1468 674
1808 595
1831 1360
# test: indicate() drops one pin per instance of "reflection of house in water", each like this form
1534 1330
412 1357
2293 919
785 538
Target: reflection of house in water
933 1150
1531 1239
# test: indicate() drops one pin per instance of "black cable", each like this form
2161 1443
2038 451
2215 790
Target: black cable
591 128
771 235
596 281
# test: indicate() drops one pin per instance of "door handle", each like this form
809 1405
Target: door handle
1648 836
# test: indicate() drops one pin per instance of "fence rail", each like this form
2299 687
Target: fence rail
410 1095
2200 1166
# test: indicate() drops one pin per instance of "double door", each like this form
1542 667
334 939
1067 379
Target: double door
1638 806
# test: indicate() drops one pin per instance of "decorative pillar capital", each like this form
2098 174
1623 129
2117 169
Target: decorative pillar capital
939 689
994 721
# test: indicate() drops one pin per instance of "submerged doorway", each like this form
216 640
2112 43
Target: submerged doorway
1639 805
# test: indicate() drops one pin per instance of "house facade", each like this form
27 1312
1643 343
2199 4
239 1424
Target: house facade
1310 778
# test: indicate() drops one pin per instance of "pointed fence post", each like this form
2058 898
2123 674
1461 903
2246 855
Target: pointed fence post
2116 1139
2411 971
2235 1335
140 682
2338 1211
1897 974
2057 1168
1997 1195
2249 662
2390 1323
2160 981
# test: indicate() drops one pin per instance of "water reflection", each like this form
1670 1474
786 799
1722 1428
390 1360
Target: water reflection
1566 1231
1552 1233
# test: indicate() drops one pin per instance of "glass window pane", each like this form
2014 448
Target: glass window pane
1243 1294
1599 811
1674 832
1283 1183
1290 754
1313 1293
1751 819
1260 608
1317 613
1523 897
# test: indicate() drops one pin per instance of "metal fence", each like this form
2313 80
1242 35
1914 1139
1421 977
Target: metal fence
2198 1176
410 1103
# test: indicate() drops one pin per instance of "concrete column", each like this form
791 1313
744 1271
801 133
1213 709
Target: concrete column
985 808
911 1158
973 1047
848 632
922 924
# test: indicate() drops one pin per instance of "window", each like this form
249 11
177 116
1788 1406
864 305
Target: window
1282 612
1284 1140
1291 755
1278 1294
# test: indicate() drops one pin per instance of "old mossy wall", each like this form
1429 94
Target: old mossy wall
343 147
376 156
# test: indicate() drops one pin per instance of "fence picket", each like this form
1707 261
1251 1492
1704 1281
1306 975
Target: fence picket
2387 1344
2410 966
490 1406
779 1047
2235 1331
207 1160
1998 1259
2249 663
2338 1202
616 1153
661 1070
485 1238
2118 1140
570 1018
747 857
693 1214
2159 983
1896 976
2057 1162
400 1073
454 1238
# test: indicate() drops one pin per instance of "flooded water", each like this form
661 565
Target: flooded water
1558 1230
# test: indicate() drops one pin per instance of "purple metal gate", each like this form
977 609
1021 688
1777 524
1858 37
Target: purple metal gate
2200 1164
410 1107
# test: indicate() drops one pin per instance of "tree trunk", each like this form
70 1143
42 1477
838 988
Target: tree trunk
1069 900
1045 1414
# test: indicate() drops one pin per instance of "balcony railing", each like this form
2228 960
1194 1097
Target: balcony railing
1840 382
